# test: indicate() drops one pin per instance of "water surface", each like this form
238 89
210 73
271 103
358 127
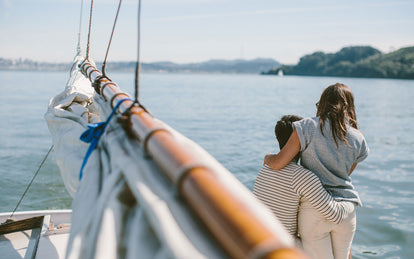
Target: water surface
232 117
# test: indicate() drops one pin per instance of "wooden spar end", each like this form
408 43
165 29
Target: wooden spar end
20 225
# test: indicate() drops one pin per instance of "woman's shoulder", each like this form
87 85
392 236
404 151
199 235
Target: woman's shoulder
306 129
309 122
357 140
356 134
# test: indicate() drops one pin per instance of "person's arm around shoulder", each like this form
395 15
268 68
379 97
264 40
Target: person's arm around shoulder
307 184
288 152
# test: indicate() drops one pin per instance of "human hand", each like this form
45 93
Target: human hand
266 158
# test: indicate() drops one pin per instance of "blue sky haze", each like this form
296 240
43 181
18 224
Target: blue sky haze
198 30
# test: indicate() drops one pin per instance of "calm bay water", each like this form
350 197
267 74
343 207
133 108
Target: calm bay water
232 117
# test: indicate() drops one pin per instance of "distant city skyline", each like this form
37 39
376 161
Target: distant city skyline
184 31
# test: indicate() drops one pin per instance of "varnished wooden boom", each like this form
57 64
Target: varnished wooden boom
237 229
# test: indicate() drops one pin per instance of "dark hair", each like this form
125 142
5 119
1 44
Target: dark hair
337 105
284 129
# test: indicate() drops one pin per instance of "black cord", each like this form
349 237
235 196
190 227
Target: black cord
110 40
137 69
30 184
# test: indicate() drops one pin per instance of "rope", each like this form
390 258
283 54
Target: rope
137 69
138 66
94 133
89 32
110 40
30 184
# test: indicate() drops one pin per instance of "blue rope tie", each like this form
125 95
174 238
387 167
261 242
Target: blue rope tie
94 133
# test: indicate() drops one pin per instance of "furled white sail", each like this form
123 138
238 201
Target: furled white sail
67 117
123 206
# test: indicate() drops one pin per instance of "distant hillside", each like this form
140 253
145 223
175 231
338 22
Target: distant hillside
254 66
27 64
358 61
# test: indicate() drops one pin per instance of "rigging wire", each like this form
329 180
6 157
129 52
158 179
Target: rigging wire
110 40
78 49
30 184
89 31
138 66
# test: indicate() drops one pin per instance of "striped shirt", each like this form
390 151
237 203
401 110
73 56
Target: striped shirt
281 191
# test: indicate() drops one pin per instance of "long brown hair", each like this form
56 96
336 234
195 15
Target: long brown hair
337 105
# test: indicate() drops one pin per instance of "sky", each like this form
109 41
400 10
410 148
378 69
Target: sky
184 31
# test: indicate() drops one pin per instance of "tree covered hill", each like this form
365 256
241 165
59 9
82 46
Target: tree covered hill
356 61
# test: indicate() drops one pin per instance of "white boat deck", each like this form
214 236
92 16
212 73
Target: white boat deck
47 241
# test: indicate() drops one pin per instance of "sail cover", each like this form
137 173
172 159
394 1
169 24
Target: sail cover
123 206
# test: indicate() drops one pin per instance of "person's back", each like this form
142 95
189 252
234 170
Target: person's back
274 189
319 153
282 190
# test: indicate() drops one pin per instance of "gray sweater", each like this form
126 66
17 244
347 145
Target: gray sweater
330 163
